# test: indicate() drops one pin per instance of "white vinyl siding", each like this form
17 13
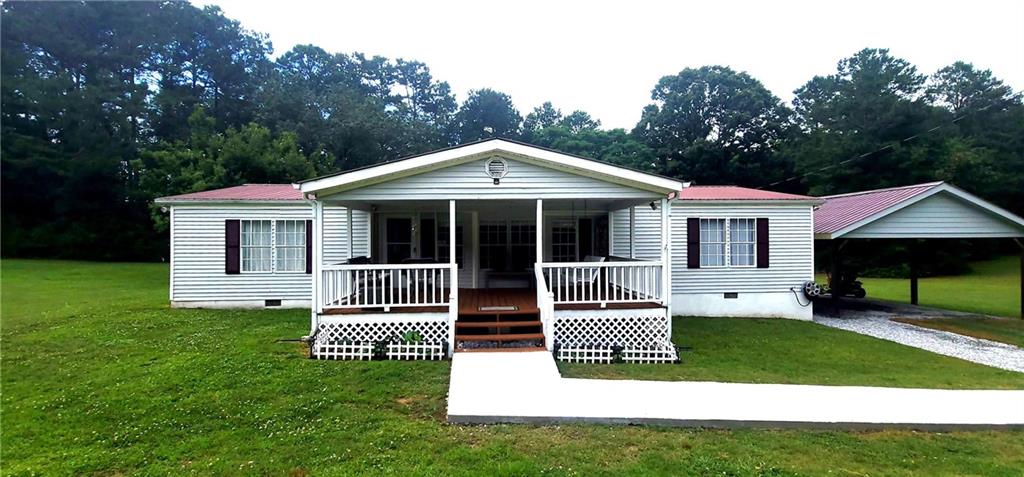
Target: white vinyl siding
470 181
336 234
646 233
198 246
198 258
790 249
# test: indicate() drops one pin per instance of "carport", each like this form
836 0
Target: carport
935 210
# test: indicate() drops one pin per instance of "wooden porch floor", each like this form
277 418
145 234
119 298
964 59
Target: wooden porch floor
475 301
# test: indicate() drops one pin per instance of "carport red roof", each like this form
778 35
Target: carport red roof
711 192
242 192
843 210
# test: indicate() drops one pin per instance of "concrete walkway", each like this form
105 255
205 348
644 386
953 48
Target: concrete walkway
527 388
876 320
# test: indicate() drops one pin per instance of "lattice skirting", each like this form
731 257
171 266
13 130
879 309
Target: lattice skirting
356 337
604 336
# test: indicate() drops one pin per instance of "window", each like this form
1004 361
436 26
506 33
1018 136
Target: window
727 243
712 242
563 240
442 244
273 246
741 242
290 246
257 245
522 245
507 245
493 244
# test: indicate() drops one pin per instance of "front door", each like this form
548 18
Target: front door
397 239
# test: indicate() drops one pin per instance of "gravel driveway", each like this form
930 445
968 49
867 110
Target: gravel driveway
877 323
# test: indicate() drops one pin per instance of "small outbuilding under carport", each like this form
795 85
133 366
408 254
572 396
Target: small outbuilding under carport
935 210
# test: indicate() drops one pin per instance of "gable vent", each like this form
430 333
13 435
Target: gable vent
496 168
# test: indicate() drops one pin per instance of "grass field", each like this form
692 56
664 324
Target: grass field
797 352
991 288
100 377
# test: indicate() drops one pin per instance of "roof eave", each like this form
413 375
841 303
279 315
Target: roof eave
170 201
807 202
439 159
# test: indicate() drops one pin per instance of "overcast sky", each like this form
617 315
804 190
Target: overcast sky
604 58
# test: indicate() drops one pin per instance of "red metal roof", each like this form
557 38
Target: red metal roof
844 210
735 193
242 192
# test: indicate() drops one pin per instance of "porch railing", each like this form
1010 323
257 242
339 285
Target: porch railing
545 304
604 282
385 286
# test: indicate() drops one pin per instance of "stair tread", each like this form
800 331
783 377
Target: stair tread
502 337
495 324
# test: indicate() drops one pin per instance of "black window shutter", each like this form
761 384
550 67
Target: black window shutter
692 242
309 246
762 242
232 248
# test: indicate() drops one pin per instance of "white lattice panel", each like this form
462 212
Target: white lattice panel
353 337
355 351
585 355
410 351
659 354
607 328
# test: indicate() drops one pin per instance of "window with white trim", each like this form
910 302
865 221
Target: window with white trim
290 246
273 245
712 243
742 242
728 242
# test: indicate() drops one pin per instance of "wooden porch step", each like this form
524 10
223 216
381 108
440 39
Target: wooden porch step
502 337
501 350
495 324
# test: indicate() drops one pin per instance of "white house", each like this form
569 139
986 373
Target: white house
547 250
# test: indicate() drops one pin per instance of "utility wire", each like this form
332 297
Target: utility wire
883 148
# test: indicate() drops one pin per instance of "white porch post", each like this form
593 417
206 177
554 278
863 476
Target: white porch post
453 270
540 231
318 254
351 245
632 228
666 261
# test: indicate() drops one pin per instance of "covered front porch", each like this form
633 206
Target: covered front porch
498 278
486 246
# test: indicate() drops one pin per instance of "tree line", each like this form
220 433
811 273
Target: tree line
106 106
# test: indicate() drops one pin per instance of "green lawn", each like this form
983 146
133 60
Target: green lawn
798 352
100 377
992 288
1005 330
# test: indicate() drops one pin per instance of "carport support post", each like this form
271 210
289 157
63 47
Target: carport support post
834 287
1021 246
913 271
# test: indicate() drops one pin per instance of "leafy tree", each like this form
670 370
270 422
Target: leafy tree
209 159
579 121
487 113
715 125
962 88
543 116
855 121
